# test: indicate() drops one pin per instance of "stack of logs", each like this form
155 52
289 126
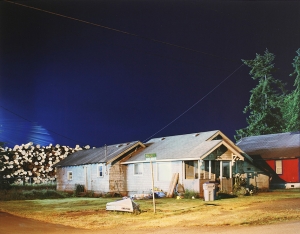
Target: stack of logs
30 163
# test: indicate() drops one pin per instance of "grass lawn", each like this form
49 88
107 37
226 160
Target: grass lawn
90 213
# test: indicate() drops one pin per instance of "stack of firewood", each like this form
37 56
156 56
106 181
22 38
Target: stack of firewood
30 163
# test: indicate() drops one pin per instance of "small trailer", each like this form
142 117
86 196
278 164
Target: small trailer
126 205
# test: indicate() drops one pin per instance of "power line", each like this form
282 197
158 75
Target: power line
194 103
175 59
34 123
121 31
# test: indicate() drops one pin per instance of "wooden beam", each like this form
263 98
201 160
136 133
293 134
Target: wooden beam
173 184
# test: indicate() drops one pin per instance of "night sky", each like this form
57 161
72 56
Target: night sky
116 71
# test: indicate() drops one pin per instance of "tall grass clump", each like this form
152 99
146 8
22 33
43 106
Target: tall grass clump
189 194
17 194
79 188
17 186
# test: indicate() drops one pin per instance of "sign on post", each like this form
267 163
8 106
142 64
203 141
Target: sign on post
151 156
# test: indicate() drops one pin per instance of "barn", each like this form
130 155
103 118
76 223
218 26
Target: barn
279 154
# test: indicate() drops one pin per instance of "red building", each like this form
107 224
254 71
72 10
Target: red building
279 154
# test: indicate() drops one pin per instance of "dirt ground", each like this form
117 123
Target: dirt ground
14 224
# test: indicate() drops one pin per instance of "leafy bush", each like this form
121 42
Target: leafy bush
15 194
190 194
79 188
33 186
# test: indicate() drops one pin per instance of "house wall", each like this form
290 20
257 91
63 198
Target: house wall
290 173
84 175
118 179
142 184
290 169
255 176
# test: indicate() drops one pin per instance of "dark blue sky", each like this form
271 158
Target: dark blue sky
86 84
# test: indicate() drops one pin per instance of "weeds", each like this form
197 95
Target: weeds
189 194
33 194
33 186
79 188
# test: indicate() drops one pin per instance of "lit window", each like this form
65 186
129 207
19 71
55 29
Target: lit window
100 170
70 175
138 169
278 166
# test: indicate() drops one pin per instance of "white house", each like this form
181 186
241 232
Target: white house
122 168
97 169
198 158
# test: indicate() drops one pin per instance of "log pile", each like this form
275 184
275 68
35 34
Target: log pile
33 163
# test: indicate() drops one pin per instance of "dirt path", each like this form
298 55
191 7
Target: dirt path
14 224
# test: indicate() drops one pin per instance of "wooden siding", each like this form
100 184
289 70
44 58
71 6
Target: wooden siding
290 169
254 176
226 185
84 175
118 179
226 156
142 184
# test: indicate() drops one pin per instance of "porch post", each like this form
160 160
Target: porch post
199 171
221 170
209 169
230 169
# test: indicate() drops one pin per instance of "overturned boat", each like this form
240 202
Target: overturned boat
126 205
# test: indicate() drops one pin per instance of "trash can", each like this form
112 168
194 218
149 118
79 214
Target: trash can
209 191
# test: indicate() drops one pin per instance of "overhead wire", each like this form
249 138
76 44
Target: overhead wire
139 36
194 103
121 31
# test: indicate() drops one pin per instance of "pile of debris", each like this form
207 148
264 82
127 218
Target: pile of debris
30 163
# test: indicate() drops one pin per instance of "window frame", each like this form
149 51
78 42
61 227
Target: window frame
194 164
100 171
140 169
278 167
70 175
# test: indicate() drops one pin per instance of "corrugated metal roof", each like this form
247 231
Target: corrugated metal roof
281 145
97 155
189 146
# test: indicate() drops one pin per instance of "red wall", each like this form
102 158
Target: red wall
290 169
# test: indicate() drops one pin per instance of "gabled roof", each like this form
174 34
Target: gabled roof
272 146
183 147
104 154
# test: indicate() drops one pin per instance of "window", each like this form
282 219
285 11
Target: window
226 169
70 175
100 171
138 169
191 169
164 171
278 166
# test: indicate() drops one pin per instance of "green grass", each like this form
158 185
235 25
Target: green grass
90 213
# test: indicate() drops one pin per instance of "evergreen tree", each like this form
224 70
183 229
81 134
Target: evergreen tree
265 115
291 107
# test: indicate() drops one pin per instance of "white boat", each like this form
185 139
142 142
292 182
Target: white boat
126 205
